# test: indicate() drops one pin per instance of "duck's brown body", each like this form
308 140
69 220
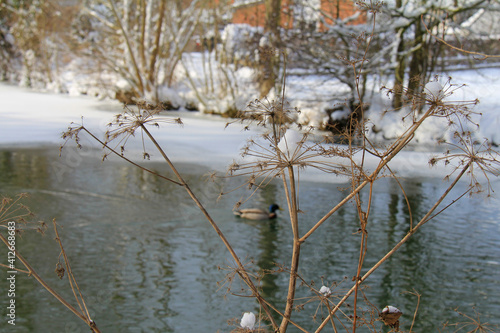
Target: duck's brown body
257 214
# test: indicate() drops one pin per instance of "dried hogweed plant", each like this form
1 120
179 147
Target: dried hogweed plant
283 151
124 127
283 147
13 210
471 324
126 124
17 218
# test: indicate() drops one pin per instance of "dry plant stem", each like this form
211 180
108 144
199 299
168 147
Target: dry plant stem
410 233
398 146
357 75
363 216
405 197
291 195
71 277
416 309
241 269
282 315
126 159
9 209
331 317
37 277
15 269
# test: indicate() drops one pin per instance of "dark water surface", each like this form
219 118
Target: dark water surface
147 261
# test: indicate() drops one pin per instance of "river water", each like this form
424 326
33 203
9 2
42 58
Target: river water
147 260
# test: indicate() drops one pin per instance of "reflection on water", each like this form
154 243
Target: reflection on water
147 261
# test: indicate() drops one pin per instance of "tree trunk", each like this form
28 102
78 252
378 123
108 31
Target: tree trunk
418 64
399 72
152 84
269 63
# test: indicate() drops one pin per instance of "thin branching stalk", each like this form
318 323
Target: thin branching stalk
71 277
13 209
126 159
34 274
294 266
396 148
410 233
241 268
363 217
415 293
15 268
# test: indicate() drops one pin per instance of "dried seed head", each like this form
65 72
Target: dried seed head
59 270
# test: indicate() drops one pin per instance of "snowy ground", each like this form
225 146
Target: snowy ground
32 118
482 85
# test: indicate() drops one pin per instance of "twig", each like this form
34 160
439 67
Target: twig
241 271
126 159
416 309
71 277
363 217
291 196
395 248
37 277
398 146
15 269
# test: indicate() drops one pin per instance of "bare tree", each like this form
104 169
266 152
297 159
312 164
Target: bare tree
141 41
268 59
414 53
36 30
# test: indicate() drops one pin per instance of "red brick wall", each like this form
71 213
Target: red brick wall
254 14
341 9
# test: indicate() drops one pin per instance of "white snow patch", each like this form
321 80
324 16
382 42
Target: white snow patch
391 309
325 291
248 320
435 89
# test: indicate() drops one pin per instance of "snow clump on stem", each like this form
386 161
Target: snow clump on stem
325 291
248 320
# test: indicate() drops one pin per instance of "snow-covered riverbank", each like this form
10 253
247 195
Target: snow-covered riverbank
33 118
467 86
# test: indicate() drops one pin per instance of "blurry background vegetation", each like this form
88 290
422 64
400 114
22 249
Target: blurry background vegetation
198 54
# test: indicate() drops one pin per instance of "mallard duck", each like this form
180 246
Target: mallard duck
258 214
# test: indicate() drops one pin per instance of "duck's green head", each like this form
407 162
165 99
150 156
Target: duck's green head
273 208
